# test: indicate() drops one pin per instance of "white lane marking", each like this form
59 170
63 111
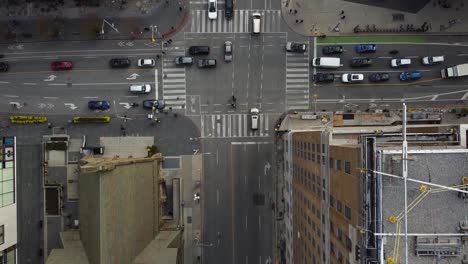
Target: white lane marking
425 70
217 159
217 197
385 57
30 83
251 143
156 85
464 96
245 222
434 97
90 57
259 179
9 95
412 57
78 51
462 54
89 84
45 97
90 97
80 55
260 227
4 82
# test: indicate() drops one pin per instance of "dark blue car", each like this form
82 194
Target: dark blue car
363 48
407 76
98 105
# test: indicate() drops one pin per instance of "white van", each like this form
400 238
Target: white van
256 23
140 88
431 60
254 118
326 62
395 63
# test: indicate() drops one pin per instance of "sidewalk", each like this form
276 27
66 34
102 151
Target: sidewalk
315 17
133 21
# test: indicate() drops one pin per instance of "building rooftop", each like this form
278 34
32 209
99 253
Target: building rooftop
430 209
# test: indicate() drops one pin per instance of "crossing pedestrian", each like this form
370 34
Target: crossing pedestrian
302 21
297 21
295 11
290 10
342 12
343 17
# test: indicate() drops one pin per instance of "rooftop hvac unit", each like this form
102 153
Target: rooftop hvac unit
438 246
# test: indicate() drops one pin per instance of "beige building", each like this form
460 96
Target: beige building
344 195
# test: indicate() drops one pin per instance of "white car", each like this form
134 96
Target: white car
400 62
212 9
254 116
431 60
352 77
146 63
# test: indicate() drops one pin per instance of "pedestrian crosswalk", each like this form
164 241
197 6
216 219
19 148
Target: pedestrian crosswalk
297 81
234 125
173 83
240 23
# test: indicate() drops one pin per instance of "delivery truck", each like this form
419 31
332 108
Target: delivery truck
455 71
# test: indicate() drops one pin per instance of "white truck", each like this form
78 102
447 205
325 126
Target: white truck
455 71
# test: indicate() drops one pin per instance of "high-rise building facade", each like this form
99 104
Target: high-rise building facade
8 210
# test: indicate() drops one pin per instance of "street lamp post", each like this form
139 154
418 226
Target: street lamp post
153 28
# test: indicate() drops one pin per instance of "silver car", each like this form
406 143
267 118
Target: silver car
228 51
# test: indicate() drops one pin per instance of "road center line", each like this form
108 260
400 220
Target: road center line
246 222
217 197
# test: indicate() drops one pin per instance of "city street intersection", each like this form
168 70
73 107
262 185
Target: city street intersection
238 221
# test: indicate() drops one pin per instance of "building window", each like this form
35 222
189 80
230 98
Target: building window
332 227
2 234
339 234
349 243
347 167
323 148
318 148
318 159
331 163
323 160
348 212
332 200
338 165
313 157
339 206
332 248
313 147
340 257
308 146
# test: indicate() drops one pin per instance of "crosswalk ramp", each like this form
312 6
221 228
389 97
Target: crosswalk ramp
234 125
297 81
240 23
174 81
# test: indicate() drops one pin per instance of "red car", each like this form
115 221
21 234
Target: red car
61 65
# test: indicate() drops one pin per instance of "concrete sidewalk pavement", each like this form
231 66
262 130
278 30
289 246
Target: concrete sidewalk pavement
338 18
167 17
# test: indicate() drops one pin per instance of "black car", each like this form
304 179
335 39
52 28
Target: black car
148 104
199 50
3 66
332 49
99 105
206 63
379 77
183 60
360 62
120 63
324 77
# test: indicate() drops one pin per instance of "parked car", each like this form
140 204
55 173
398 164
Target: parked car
146 63
212 9
148 104
363 48
98 105
352 77
408 76
431 60
360 62
61 65
206 63
332 49
324 77
379 77
119 63
296 47
3 66
400 62
199 50
183 60
228 51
